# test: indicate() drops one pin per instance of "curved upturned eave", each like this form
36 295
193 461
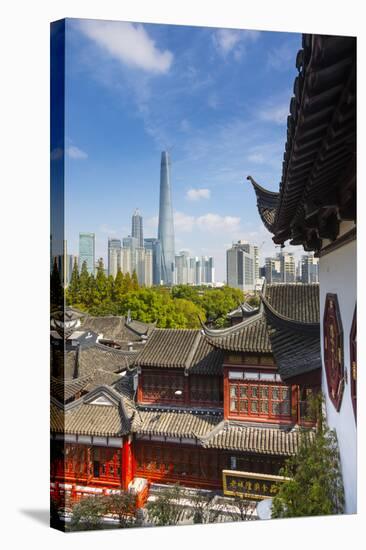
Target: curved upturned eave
220 332
287 322
267 204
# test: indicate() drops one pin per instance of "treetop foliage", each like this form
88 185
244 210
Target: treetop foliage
181 306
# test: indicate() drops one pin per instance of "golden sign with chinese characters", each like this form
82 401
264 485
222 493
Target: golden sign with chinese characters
251 485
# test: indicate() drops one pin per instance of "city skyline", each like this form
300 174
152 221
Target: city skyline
188 101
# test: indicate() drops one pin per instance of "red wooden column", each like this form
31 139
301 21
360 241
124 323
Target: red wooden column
226 394
127 465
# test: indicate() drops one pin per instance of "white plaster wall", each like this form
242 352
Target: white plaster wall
337 274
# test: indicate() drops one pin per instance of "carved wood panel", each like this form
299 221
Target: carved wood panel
333 350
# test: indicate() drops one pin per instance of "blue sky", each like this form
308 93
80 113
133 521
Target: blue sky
217 99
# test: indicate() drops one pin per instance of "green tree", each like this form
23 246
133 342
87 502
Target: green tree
166 508
134 281
84 282
74 286
315 486
123 506
127 283
118 287
101 282
88 513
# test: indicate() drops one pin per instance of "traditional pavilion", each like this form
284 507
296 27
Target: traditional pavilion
185 405
316 207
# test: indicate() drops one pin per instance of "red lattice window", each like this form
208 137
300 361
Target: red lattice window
162 387
333 350
248 399
353 362
205 389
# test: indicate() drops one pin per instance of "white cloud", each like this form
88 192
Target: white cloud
256 158
129 44
75 153
197 194
275 113
215 222
183 222
230 40
281 58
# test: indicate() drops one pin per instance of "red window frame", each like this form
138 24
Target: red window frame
260 400
161 387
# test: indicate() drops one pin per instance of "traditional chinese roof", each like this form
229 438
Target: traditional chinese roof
251 336
244 310
118 329
174 424
318 184
87 367
295 343
254 439
88 417
286 325
214 432
296 301
182 349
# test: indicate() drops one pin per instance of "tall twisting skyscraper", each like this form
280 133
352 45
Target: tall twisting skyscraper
137 228
166 227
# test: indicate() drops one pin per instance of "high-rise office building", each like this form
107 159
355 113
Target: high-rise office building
288 267
114 256
273 270
309 268
166 226
87 251
137 228
241 265
154 245
207 269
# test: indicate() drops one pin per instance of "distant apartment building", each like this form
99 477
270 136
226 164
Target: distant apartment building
144 266
114 256
130 243
181 268
242 265
137 228
126 260
87 251
153 244
309 269
193 270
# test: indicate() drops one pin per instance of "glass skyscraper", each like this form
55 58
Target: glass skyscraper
166 227
87 251
137 228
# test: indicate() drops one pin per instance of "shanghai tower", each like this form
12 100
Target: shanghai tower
166 228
